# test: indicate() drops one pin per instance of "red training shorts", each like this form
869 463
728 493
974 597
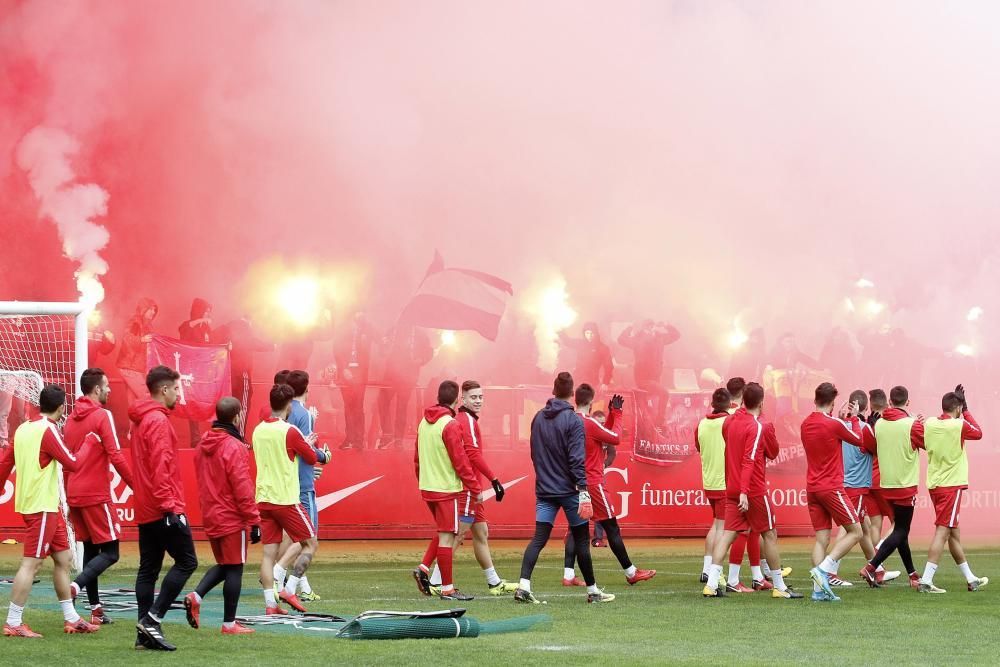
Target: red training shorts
292 519
947 504
717 503
480 513
877 505
95 524
603 509
857 498
758 517
230 549
44 534
827 505
446 514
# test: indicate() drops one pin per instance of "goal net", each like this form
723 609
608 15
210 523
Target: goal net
41 343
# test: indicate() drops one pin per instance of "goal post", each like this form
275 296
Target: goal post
43 343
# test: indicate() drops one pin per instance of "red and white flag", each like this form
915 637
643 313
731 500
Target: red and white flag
204 370
458 300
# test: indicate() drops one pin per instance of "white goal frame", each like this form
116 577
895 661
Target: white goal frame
80 312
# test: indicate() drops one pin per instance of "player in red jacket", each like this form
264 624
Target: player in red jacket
472 438
90 434
159 507
749 442
822 437
597 437
229 513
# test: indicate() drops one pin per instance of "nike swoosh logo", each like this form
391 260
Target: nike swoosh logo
506 487
331 498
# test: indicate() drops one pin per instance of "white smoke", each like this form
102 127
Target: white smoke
45 153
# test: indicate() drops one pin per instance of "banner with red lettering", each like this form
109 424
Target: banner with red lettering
204 369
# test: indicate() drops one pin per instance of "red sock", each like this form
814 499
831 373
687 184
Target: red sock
753 548
736 551
431 554
444 562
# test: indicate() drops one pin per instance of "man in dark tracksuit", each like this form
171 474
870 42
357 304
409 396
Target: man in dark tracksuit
557 454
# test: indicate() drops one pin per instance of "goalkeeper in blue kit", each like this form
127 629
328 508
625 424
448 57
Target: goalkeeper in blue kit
557 454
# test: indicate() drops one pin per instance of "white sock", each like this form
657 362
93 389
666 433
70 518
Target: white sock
764 566
304 585
880 569
967 571
279 575
525 585
269 598
436 576
197 597
836 567
734 574
707 564
593 589
292 584
714 574
756 573
568 573
492 578
74 589
828 565
929 571
630 572
229 624
778 580
14 615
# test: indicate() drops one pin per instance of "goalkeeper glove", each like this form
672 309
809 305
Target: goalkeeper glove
960 391
317 472
617 402
586 509
254 534
498 489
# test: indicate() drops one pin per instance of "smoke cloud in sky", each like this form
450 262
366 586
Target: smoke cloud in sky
695 162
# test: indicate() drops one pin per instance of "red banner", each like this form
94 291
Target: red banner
204 370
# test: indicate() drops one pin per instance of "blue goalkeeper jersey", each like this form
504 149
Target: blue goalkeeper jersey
857 467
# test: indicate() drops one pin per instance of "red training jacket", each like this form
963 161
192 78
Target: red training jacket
452 436
156 477
596 436
822 437
90 434
52 449
473 441
748 442
225 490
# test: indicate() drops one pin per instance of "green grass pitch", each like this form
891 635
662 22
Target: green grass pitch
657 622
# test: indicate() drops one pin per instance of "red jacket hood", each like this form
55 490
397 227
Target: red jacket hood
894 414
84 407
435 412
142 408
716 415
214 440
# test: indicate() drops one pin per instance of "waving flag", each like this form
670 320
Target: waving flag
458 300
204 370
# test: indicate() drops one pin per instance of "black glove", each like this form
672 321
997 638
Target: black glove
617 402
175 520
254 534
498 489
960 392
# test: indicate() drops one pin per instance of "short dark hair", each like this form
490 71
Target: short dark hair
950 401
735 386
898 396
227 409
299 382
90 379
721 399
447 392
160 376
50 398
469 385
861 398
584 394
281 377
562 387
753 396
826 393
280 396
877 399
